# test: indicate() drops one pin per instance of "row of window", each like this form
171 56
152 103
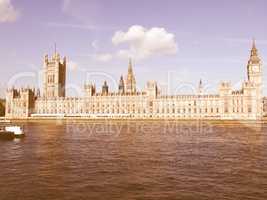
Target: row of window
189 110
238 110
137 111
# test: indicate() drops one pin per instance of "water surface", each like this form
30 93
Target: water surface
73 160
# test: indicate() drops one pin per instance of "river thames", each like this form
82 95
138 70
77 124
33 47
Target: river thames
108 160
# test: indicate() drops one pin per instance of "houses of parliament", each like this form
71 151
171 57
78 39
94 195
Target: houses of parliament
127 102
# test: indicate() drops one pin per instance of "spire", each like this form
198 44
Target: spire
254 51
130 67
254 58
130 79
130 74
200 87
55 48
253 43
121 79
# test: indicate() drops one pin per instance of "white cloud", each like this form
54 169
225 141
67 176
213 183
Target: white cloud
144 43
105 57
7 12
95 44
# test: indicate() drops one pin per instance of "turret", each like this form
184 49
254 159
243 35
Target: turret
89 90
121 86
105 88
152 89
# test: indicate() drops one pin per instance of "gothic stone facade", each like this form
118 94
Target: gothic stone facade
246 103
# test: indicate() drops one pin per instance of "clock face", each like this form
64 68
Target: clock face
255 68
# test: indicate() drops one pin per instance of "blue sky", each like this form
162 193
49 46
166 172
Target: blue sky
173 42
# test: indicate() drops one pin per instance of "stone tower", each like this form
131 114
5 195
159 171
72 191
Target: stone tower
130 80
254 72
254 68
20 103
54 79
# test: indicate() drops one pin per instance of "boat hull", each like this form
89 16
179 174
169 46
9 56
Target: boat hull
6 135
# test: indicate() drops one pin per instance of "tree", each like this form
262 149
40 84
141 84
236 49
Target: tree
2 107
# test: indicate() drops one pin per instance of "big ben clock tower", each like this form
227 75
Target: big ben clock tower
255 67
254 70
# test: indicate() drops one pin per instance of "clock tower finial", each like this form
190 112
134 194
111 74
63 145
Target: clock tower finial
253 43
254 51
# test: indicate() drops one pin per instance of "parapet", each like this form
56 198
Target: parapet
55 58
18 93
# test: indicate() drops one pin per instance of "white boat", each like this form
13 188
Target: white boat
17 130
8 132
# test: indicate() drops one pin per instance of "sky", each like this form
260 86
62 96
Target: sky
173 42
